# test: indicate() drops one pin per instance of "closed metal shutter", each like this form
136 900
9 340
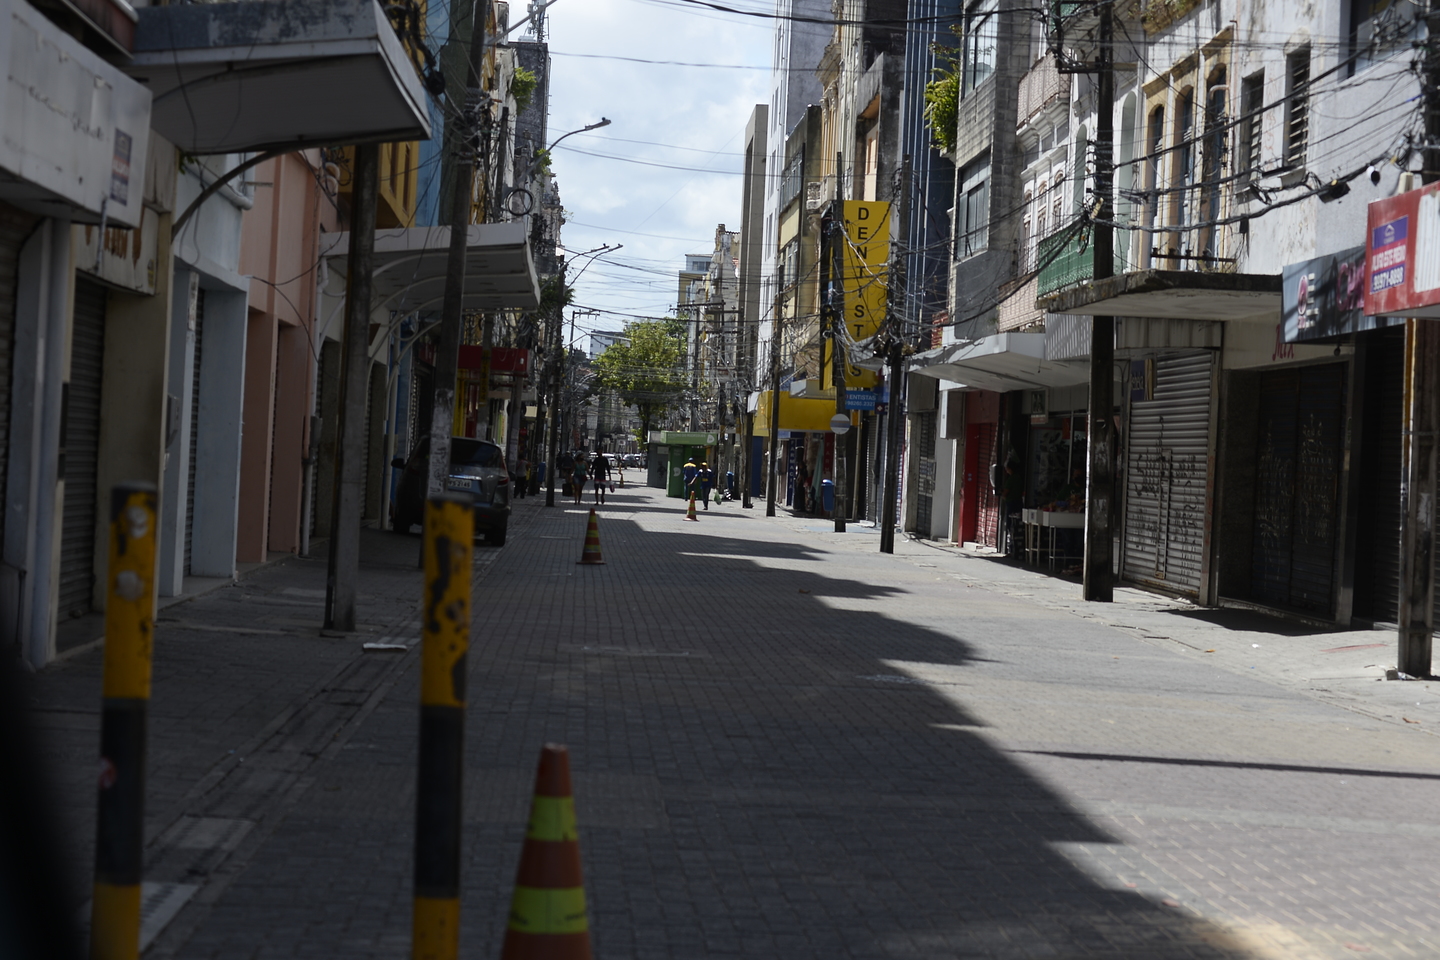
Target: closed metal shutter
1377 548
15 226
194 427
987 513
1167 472
925 472
1297 488
81 443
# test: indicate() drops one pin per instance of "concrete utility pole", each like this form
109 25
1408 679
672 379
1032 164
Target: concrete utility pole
557 361
1099 582
1422 420
895 305
346 505
447 353
832 285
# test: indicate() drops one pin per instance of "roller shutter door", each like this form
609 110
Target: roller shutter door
1297 488
1167 473
81 443
194 427
15 226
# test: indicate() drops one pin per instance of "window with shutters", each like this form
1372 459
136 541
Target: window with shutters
1297 107
1252 122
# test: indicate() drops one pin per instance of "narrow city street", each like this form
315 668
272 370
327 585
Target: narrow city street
785 745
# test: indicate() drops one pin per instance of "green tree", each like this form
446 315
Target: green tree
646 369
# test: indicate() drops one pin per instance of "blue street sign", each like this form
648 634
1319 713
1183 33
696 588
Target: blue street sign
860 399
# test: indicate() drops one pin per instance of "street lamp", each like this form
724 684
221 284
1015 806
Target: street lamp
540 155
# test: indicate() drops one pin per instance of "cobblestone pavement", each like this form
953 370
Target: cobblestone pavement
785 745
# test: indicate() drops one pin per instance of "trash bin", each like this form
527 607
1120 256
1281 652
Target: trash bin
730 484
827 495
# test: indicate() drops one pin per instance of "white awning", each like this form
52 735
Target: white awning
410 266
277 74
1001 362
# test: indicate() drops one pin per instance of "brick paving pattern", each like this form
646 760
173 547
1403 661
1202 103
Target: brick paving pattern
786 745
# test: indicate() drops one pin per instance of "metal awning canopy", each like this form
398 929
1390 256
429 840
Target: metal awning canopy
1003 361
1172 295
410 263
277 74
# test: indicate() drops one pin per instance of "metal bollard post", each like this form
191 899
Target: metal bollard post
129 643
445 638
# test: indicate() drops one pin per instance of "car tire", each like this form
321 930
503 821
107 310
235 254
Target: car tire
496 538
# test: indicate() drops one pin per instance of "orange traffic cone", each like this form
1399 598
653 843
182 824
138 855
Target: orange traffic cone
548 920
690 514
591 553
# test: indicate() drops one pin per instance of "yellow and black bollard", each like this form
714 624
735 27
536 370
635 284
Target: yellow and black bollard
445 638
129 645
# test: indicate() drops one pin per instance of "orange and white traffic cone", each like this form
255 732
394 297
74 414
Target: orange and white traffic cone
548 920
690 514
591 553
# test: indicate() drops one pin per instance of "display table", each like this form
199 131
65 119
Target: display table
1037 523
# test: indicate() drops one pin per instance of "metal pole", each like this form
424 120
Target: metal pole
120 815
1099 582
447 353
773 481
445 640
832 281
344 558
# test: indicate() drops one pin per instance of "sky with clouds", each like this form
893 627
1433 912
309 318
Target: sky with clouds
666 170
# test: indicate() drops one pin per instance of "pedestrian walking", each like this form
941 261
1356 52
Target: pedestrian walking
577 478
600 474
564 467
687 473
706 478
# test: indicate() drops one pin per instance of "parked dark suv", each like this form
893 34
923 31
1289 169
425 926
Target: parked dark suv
477 467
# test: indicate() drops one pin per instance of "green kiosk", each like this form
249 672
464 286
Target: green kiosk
675 447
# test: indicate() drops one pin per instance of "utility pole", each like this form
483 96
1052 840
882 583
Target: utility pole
447 353
895 306
773 481
832 285
343 567
1099 585
1422 420
554 430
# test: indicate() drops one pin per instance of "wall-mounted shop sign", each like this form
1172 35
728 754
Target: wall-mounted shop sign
1402 253
1325 297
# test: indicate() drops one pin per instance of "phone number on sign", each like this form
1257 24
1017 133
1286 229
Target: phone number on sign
1386 279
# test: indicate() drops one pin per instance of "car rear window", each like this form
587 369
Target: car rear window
474 453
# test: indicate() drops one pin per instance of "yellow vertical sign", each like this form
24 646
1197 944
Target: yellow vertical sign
864 277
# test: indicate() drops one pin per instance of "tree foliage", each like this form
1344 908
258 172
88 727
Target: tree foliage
646 369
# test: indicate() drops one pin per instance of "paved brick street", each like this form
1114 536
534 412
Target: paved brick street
785 745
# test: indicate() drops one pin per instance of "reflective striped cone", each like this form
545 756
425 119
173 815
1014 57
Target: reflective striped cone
690 514
591 553
548 920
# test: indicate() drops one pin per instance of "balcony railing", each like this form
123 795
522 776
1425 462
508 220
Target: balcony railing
1040 85
1066 259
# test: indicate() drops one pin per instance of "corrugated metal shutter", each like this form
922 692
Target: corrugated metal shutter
924 472
1377 548
82 444
194 427
1167 471
987 517
15 226
1297 487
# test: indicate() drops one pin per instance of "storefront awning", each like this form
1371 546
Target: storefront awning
1001 362
277 74
795 414
1172 295
410 264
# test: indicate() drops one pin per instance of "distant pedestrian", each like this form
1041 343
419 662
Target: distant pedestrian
687 473
705 477
577 478
600 474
